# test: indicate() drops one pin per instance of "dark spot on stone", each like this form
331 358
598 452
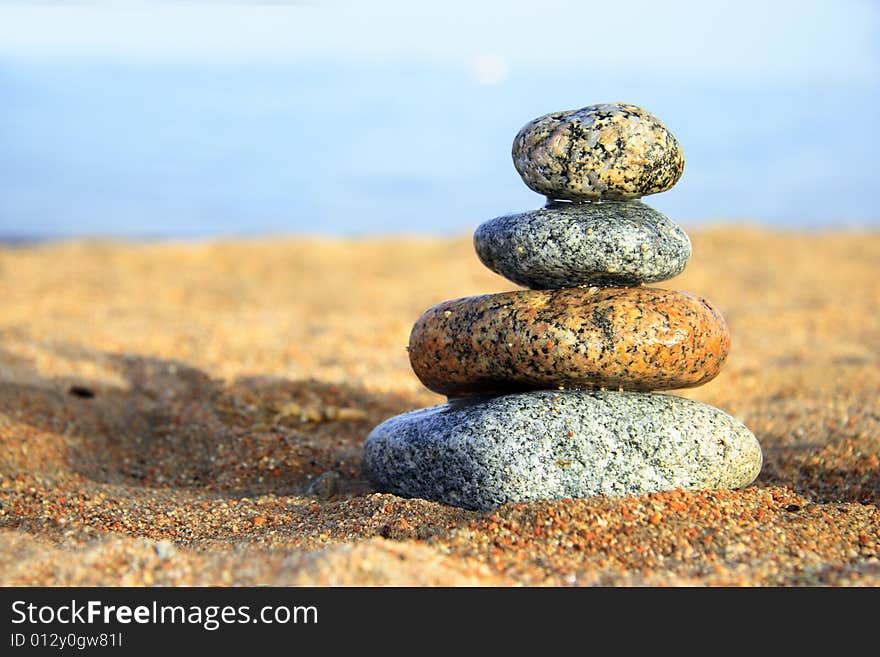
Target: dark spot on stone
81 391
792 508
600 319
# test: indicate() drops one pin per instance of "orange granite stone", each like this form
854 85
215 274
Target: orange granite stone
634 338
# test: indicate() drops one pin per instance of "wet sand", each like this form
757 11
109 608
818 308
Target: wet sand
165 407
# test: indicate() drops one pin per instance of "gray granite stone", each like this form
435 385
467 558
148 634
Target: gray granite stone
569 244
607 151
479 453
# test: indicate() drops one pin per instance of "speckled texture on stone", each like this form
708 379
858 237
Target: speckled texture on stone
569 244
634 338
607 151
545 445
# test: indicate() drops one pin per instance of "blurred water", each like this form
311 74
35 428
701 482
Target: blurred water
90 147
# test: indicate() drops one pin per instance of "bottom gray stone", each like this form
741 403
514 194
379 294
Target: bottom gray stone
478 453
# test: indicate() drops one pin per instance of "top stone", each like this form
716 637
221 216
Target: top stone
609 151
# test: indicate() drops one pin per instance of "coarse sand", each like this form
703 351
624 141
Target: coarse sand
164 408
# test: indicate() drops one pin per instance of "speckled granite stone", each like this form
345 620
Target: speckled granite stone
608 151
570 244
545 445
635 338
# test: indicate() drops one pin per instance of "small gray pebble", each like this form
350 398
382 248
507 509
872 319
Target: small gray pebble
164 549
325 486
570 244
478 453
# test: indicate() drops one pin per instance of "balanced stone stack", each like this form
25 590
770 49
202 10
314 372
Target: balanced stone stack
550 388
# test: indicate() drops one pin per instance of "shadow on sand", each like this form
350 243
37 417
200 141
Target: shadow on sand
166 424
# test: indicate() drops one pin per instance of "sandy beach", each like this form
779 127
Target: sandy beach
164 408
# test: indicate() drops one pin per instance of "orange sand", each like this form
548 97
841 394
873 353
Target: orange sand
227 376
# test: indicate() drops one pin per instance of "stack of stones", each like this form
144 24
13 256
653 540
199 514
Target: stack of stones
549 387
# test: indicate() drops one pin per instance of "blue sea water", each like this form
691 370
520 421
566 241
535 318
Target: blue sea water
90 147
